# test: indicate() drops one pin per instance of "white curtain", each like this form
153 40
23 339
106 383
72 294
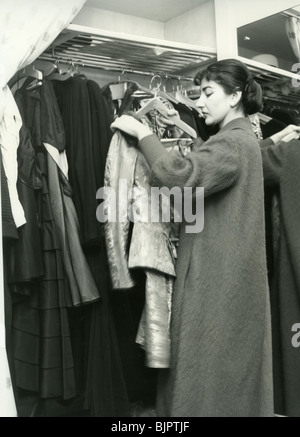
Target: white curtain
27 28
293 33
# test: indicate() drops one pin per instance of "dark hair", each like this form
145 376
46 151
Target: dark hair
233 76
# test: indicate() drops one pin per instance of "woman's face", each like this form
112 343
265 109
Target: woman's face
215 104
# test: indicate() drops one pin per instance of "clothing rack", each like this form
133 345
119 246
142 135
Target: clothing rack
112 51
79 63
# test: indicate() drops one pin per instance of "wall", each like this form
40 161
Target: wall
231 14
193 27
115 22
197 26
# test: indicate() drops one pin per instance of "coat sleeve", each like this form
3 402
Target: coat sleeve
215 165
272 158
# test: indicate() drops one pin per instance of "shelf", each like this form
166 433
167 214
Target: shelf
278 85
121 52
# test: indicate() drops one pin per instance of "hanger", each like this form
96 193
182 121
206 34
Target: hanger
171 140
188 102
118 89
194 93
157 104
50 69
59 74
28 72
264 118
158 93
182 96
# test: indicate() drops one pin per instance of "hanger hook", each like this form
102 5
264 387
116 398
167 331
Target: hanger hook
152 80
122 74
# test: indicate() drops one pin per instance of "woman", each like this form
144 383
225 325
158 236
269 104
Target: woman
220 329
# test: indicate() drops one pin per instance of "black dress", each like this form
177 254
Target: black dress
41 341
87 121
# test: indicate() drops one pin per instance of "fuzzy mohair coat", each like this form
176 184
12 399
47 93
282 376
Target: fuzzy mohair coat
221 364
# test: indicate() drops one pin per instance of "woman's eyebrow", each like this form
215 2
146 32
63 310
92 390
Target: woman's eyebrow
206 88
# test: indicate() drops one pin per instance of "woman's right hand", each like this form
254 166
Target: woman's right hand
291 132
131 126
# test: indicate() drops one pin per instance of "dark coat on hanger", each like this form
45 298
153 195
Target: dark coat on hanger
281 165
74 104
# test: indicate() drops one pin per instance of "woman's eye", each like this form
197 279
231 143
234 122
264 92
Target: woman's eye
208 95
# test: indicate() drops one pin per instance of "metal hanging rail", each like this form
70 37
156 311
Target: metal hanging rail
118 52
121 52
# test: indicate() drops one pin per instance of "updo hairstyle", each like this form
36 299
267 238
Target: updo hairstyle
234 76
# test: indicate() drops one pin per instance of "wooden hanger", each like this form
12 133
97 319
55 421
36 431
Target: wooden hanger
28 72
188 102
118 89
157 104
58 74
264 118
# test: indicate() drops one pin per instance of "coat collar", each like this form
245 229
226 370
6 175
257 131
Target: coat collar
238 123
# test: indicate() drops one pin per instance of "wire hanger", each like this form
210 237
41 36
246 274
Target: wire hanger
158 93
157 104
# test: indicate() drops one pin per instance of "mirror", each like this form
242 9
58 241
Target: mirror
273 41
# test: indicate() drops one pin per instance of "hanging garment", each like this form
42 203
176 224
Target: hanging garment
153 247
86 119
148 246
101 120
281 169
255 122
9 141
186 115
204 131
26 260
74 105
9 230
272 200
142 244
120 166
42 350
106 393
81 282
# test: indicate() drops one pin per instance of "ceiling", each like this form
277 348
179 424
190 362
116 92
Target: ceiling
158 10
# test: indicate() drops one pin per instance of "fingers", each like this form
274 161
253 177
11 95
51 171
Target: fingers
293 128
172 112
163 121
290 137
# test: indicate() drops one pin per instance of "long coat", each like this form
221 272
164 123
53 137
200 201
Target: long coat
221 363
281 165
